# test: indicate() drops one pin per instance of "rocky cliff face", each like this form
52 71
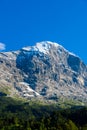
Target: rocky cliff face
45 70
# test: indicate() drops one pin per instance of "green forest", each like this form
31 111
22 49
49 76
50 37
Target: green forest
19 115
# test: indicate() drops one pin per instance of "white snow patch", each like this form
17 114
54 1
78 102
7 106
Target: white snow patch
28 48
53 43
27 95
28 89
43 47
71 53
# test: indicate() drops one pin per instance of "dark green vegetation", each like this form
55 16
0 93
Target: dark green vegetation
17 115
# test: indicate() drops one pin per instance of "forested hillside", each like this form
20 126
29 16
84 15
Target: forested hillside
16 115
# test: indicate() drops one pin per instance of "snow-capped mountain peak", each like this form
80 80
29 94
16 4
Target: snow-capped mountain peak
43 47
46 70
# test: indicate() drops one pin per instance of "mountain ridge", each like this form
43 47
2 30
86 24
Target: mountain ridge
46 71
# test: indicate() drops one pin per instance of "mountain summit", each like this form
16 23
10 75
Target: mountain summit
46 70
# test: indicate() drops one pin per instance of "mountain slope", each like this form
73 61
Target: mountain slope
46 70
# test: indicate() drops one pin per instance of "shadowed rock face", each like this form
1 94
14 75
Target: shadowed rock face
74 63
46 71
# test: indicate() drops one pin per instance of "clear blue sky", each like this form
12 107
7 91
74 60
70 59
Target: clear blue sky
25 22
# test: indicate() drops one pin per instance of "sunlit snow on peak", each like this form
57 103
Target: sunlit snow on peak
45 46
48 44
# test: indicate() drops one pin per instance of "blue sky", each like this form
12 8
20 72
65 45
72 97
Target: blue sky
25 22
